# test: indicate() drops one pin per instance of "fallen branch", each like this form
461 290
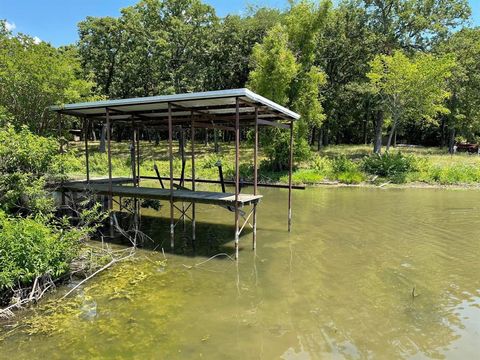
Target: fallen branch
95 273
210 258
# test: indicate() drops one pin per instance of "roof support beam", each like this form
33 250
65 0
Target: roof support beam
272 123
212 126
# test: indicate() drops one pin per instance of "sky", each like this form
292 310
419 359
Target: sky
55 21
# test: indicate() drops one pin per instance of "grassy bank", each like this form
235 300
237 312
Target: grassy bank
345 164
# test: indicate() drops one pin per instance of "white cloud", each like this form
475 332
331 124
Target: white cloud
10 26
37 40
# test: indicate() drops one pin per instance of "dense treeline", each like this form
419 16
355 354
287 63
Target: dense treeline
358 71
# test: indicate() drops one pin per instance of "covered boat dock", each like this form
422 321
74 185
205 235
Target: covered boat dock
227 110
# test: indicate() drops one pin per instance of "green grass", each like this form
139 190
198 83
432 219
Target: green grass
341 163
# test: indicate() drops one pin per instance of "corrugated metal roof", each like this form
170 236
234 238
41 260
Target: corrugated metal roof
217 103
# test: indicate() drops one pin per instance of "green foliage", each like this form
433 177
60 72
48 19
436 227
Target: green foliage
274 66
27 163
304 176
346 171
32 247
411 88
36 75
393 166
464 85
155 47
282 70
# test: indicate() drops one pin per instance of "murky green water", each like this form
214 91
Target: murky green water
339 286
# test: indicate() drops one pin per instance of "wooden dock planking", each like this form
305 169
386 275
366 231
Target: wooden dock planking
202 197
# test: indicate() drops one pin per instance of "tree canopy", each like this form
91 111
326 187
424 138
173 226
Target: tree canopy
34 76
317 57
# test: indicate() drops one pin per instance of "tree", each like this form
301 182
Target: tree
274 70
464 85
99 48
410 88
344 48
34 76
410 25
155 47
284 71
229 62
414 25
274 66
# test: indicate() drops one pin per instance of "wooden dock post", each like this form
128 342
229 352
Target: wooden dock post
109 155
255 180
237 173
85 139
290 179
193 179
134 157
170 155
60 131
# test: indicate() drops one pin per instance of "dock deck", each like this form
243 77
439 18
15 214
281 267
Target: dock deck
202 197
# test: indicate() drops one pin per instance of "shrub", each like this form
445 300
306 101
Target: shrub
27 163
350 177
393 166
346 171
276 144
342 164
30 247
322 165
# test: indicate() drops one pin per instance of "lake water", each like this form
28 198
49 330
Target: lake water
365 273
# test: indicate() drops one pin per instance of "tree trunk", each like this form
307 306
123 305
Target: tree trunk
451 142
119 133
443 141
215 139
103 134
320 139
377 143
365 124
390 136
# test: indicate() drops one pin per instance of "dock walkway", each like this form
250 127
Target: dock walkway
202 197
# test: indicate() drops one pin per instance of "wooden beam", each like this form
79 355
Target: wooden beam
273 123
211 126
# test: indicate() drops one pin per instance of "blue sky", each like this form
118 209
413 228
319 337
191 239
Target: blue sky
56 21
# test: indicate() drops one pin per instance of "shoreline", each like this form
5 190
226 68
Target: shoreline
388 185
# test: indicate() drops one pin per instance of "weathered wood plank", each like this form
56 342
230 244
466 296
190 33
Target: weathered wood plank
205 197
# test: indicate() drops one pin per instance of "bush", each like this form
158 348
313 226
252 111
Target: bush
27 163
276 144
30 247
342 164
346 171
350 177
394 167
322 165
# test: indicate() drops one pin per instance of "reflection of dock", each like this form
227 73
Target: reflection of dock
202 197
